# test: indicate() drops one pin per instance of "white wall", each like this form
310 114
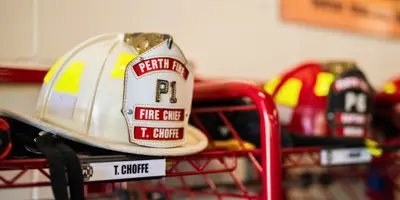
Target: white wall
226 38
237 38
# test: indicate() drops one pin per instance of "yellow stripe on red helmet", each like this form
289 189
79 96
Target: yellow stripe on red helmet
289 93
389 88
323 83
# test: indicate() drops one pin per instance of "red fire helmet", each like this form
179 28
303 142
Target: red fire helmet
387 108
323 98
390 93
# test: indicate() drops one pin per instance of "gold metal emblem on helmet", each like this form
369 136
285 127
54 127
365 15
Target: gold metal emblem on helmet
142 42
338 67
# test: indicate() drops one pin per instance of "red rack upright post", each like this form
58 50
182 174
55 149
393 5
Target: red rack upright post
270 133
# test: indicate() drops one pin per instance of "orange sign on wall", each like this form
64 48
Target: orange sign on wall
376 17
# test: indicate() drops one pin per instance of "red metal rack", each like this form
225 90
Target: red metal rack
292 162
200 175
266 160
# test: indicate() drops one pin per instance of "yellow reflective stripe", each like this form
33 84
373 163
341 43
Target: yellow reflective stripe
323 83
69 80
119 67
289 93
270 86
373 148
390 88
52 69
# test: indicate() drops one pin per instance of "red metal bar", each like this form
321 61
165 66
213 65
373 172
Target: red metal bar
270 138
21 75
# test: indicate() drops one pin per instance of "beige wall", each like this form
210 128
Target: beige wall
229 38
237 38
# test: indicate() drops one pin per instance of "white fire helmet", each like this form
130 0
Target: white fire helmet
130 93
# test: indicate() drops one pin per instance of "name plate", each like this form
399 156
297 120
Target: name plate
122 170
345 156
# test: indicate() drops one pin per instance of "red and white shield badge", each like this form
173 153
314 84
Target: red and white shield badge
157 96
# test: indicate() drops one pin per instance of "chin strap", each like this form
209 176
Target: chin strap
61 158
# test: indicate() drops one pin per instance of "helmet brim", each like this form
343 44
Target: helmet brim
196 141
